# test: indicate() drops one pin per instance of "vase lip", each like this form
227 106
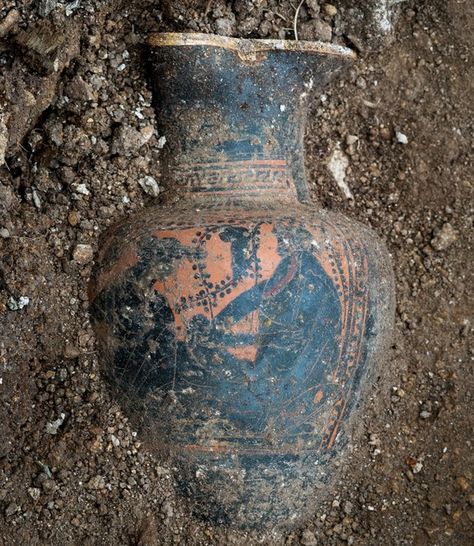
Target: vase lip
247 47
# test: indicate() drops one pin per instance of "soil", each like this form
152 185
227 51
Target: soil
77 131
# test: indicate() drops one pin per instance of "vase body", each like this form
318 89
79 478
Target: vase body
240 325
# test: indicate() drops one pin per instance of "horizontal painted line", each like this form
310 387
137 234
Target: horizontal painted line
242 163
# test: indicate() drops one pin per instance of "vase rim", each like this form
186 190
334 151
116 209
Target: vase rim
247 47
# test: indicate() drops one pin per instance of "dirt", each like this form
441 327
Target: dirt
78 133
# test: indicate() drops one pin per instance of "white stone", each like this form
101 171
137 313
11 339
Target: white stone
337 165
150 185
401 138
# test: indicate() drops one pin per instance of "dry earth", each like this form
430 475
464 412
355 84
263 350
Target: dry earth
81 150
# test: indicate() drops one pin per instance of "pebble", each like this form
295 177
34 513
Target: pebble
337 165
48 485
53 426
11 509
6 24
446 236
71 352
149 185
4 233
348 506
161 142
34 492
3 141
167 509
97 482
401 138
225 25
351 140
463 483
36 199
18 304
308 538
45 7
330 10
73 218
83 253
128 140
80 188
322 31
71 7
385 133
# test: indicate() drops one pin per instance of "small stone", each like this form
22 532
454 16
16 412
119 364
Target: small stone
17 305
83 253
322 30
34 492
36 199
313 7
463 483
4 233
45 7
425 414
80 188
385 133
71 352
337 166
11 509
7 196
225 25
348 506
330 10
167 510
6 24
71 7
97 482
53 426
48 485
351 140
73 218
128 140
149 185
79 90
161 142
3 140
315 29
401 138
308 538
446 236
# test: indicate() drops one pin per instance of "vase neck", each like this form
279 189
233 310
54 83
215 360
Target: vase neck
233 112
228 178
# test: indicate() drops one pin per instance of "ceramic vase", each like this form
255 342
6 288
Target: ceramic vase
240 326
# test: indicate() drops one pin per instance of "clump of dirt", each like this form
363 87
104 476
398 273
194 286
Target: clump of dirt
81 150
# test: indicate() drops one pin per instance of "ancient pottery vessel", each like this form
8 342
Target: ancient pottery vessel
240 325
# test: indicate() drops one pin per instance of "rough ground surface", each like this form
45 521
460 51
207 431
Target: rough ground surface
77 131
